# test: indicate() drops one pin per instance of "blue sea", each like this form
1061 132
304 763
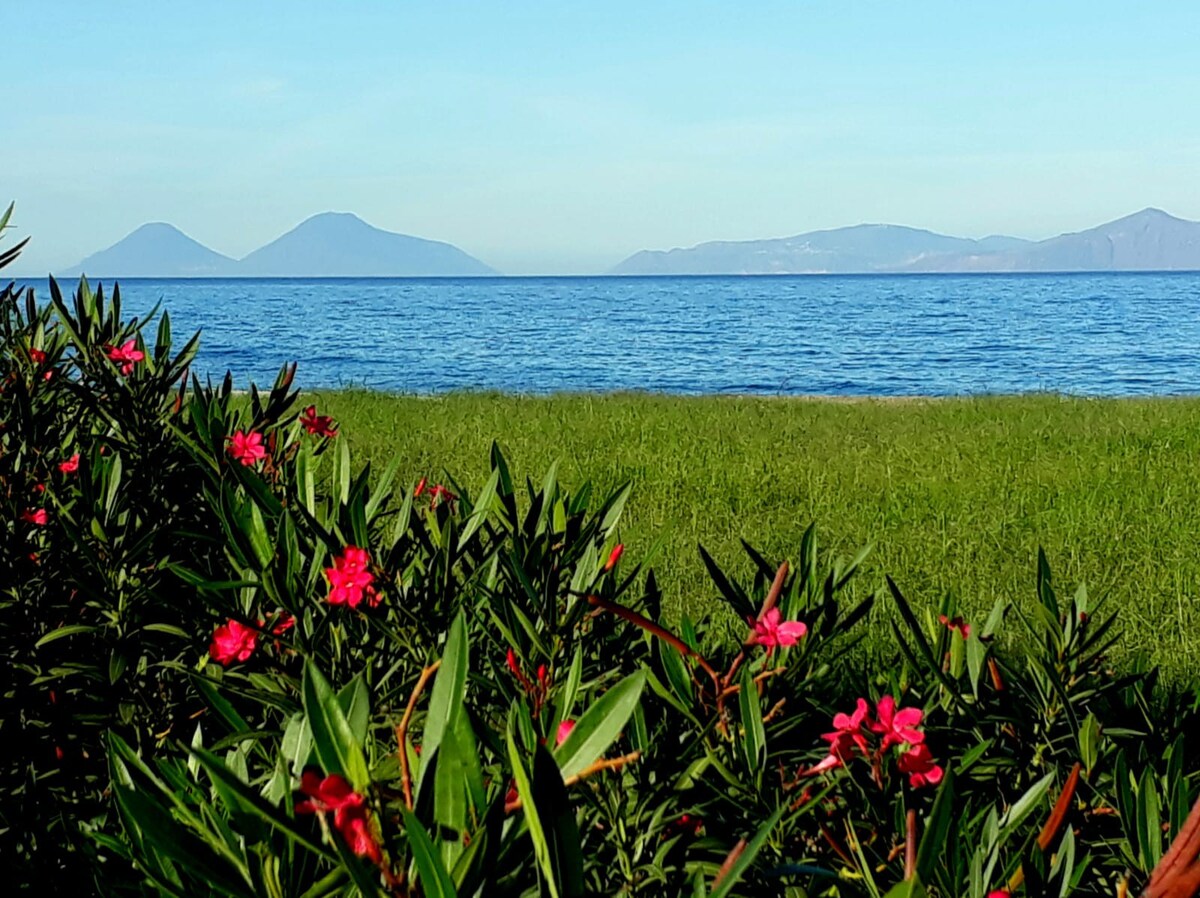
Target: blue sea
886 335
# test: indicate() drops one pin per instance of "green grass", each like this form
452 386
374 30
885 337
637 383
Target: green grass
954 494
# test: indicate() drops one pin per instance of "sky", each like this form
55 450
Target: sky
561 137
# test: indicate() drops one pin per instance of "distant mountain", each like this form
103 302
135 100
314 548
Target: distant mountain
332 244
338 244
156 250
1150 240
862 248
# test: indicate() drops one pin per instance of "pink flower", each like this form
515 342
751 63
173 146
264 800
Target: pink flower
125 355
847 733
955 623
770 632
231 642
564 730
37 516
350 814
998 893
247 447
614 557
897 727
918 763
318 425
71 465
36 356
349 580
845 738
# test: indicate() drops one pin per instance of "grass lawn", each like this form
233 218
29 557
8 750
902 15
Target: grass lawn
954 494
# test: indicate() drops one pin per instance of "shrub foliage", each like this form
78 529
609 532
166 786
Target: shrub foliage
241 665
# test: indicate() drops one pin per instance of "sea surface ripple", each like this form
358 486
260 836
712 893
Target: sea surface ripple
872 335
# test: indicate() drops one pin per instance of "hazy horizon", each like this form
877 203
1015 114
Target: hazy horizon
547 140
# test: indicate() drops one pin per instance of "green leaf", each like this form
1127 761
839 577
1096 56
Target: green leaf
1024 806
1089 743
600 725
746 858
449 690
554 809
754 737
909 888
482 507
332 736
69 630
1149 818
242 797
537 834
355 703
937 826
433 876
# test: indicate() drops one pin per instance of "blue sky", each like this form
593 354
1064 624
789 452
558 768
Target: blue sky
557 138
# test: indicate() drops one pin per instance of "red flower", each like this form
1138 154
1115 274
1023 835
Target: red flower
897 726
71 465
285 623
688 824
247 447
126 355
318 425
232 641
351 816
349 580
770 632
39 487
438 493
955 623
420 489
36 356
515 666
918 763
36 516
614 557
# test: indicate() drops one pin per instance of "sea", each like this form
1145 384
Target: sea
1106 334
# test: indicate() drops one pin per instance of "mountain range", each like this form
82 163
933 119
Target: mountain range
1150 240
339 244
332 244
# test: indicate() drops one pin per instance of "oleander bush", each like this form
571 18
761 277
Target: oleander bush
242 665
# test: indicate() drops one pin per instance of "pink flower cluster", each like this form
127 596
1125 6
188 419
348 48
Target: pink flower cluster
349 579
854 734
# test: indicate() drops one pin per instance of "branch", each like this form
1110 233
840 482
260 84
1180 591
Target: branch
591 770
402 730
730 859
655 630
